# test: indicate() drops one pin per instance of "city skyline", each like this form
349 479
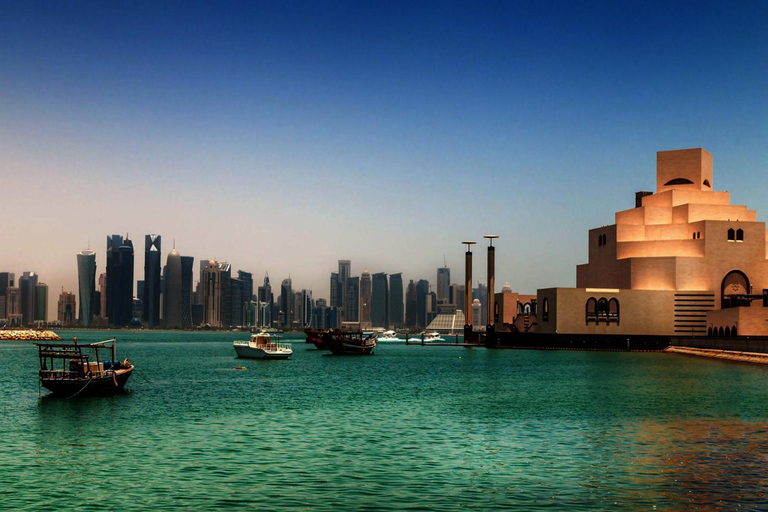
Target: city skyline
281 139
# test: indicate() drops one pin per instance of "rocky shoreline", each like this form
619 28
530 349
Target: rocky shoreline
729 355
28 335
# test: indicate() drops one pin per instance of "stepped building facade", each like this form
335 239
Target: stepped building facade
684 261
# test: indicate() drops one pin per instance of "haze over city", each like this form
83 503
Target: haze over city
282 137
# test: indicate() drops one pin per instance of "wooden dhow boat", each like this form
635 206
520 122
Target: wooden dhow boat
71 369
349 342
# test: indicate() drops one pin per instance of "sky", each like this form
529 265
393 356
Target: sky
283 136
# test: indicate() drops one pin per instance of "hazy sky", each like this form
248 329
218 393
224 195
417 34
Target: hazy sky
284 136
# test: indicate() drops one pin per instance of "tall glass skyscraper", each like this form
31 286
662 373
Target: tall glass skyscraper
422 303
6 281
443 285
86 280
396 300
411 305
187 269
173 293
379 301
365 299
286 302
27 284
151 298
119 301
352 301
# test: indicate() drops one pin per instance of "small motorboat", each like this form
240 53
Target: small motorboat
433 337
262 346
389 336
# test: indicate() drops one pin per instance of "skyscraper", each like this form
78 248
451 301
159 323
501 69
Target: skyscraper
365 299
308 308
151 297
66 308
6 281
13 305
266 302
187 269
443 285
411 306
345 267
379 300
103 297
247 279
334 290
41 302
216 294
173 292
422 303
396 300
236 301
86 280
286 302
27 284
352 301
119 299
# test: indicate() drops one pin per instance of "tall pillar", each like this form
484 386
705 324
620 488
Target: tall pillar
490 324
468 291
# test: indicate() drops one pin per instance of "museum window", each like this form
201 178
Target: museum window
739 235
709 332
591 310
545 310
727 332
731 235
720 332
602 309
733 331
698 234
694 236
613 310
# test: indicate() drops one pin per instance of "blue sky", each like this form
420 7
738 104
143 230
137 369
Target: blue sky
283 136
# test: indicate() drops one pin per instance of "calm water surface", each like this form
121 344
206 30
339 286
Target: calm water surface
410 428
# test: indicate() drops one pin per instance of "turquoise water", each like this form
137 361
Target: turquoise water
409 428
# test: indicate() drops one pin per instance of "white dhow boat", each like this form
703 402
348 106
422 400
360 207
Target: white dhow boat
262 346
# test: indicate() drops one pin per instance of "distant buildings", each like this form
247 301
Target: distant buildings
380 301
365 299
119 289
396 318
67 306
286 303
151 297
27 285
173 291
443 285
6 281
216 294
86 280
41 302
187 269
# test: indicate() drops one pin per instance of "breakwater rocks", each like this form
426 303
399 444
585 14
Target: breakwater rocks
29 335
744 357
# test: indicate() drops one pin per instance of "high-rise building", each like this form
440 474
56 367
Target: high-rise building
187 268
334 290
352 300
172 296
41 302
481 293
443 285
216 294
119 300
422 303
66 308
6 281
236 301
477 314
345 267
27 284
286 302
379 300
396 300
151 297
103 298
457 296
247 279
86 280
411 306
365 299
13 305
266 302
307 305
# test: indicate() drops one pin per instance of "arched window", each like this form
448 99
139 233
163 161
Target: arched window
733 331
739 235
519 308
731 235
727 331
602 309
734 289
698 234
613 310
720 332
527 308
591 308
709 332
694 236
679 181
545 310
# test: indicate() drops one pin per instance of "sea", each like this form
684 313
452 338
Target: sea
419 428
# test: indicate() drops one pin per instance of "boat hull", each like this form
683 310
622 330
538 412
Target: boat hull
247 352
114 382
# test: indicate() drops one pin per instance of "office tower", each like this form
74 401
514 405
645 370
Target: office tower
41 302
477 313
379 300
236 301
334 290
266 302
352 300
307 305
481 293
432 307
66 308
443 285
86 280
13 305
27 284
396 300
365 299
103 298
286 302
187 269
151 297
119 302
6 281
457 296
172 296
217 305
247 279
422 290
345 267
411 306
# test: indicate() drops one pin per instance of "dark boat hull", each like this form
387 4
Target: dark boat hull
83 386
315 337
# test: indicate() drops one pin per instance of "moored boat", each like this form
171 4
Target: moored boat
349 342
315 336
79 368
262 346
389 336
